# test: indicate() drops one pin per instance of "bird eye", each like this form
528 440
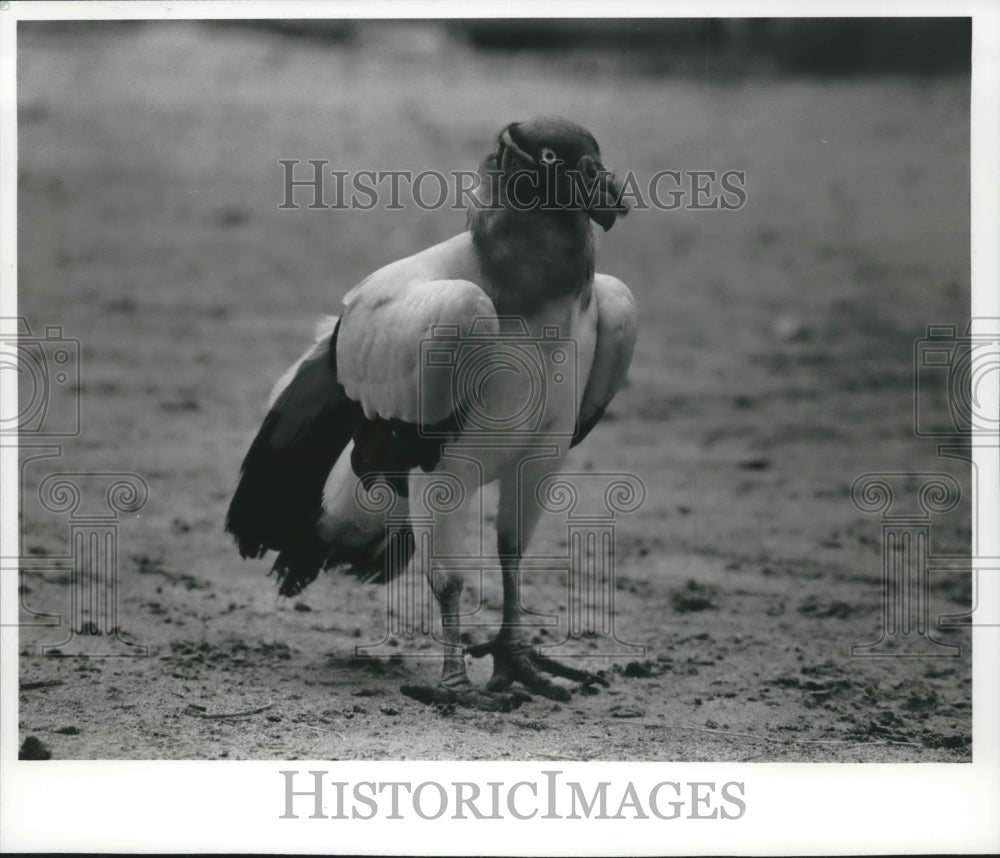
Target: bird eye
548 156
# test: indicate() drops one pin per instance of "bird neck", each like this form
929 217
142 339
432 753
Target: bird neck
530 258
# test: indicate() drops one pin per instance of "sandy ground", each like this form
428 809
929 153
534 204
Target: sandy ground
774 367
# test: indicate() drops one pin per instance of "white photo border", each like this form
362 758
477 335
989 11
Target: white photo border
159 806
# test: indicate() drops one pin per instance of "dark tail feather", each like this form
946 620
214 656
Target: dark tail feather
376 563
278 501
298 567
379 562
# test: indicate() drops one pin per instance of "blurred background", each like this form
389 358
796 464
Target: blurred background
775 358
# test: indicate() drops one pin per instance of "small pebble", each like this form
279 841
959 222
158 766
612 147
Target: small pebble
33 749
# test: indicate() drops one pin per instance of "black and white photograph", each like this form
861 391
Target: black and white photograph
404 388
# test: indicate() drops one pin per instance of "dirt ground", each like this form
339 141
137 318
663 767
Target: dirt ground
774 366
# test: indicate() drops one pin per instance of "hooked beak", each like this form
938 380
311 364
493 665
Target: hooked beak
605 197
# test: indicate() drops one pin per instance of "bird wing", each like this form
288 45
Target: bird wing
352 392
308 424
399 340
616 332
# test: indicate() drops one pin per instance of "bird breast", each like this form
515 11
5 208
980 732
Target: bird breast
524 386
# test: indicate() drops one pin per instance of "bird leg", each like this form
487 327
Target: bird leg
514 660
455 687
445 571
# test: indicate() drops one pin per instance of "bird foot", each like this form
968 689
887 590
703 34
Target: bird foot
517 662
465 694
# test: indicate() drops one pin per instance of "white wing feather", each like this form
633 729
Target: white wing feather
385 334
617 323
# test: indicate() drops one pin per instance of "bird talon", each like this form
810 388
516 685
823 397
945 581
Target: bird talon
446 698
520 662
436 695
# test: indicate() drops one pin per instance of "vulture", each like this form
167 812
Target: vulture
419 376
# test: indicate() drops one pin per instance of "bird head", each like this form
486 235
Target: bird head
552 163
